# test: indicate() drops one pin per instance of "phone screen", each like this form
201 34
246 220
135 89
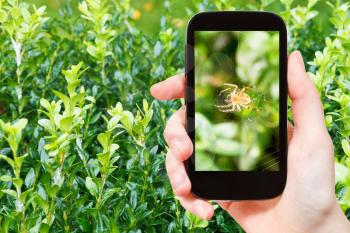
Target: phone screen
237 101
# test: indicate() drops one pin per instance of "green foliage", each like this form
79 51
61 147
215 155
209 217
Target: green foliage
12 133
90 156
102 34
136 126
332 80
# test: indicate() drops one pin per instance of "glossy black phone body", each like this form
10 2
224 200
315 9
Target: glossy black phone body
237 185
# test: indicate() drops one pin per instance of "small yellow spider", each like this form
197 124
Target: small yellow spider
235 99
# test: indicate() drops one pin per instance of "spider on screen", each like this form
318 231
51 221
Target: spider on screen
235 99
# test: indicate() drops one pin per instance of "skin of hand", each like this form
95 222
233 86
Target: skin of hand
308 203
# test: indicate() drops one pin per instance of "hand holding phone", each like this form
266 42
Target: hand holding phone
308 202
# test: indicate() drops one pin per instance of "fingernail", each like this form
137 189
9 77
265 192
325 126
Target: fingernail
178 181
199 209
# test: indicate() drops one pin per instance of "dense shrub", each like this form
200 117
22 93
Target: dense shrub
81 143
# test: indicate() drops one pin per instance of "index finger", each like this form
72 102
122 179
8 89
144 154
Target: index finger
171 88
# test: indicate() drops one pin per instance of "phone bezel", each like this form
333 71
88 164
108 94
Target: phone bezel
237 185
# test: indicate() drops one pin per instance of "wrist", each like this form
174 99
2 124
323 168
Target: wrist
331 220
335 221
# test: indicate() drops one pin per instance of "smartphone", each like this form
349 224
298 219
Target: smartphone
236 104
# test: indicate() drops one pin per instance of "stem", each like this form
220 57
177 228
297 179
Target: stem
177 210
98 202
19 203
19 91
66 225
87 123
18 75
104 81
145 184
17 47
48 77
51 211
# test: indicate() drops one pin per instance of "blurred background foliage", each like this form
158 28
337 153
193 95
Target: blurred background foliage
249 60
81 147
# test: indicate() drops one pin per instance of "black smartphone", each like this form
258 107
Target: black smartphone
236 104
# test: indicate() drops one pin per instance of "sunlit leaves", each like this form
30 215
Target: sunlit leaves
91 186
97 12
194 222
21 22
135 125
13 133
331 77
60 124
72 77
72 152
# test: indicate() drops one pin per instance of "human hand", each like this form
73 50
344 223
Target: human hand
308 203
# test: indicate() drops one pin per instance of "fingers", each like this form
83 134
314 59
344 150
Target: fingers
171 88
176 136
306 104
177 175
201 208
181 186
180 149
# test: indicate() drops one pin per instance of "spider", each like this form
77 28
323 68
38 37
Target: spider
235 99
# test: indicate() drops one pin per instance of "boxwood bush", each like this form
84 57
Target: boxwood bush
81 145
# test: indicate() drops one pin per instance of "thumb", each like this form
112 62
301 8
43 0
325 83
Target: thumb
307 109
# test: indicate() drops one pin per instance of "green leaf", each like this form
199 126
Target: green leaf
42 203
108 194
113 148
20 160
52 191
157 49
342 173
20 124
91 186
45 227
346 146
8 160
103 158
5 178
66 124
127 120
25 194
46 124
225 147
203 127
46 104
226 130
104 139
18 182
113 122
9 192
92 50
29 180
65 99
